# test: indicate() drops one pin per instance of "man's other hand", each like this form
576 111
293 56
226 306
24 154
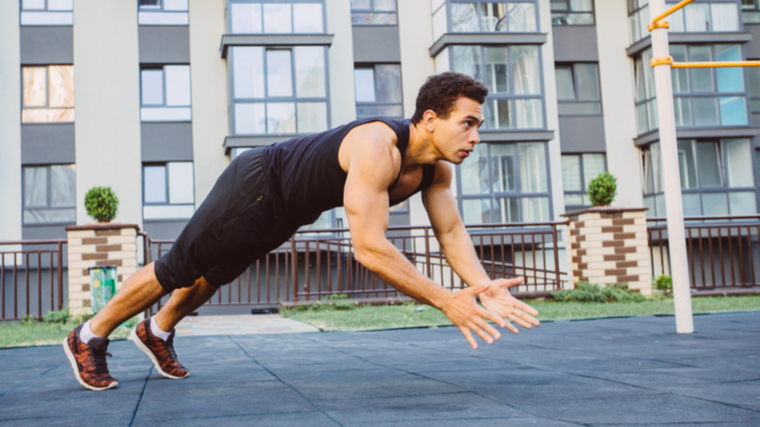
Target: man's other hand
498 300
465 313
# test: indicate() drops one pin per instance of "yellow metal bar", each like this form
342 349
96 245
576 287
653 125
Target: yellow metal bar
661 60
714 64
654 24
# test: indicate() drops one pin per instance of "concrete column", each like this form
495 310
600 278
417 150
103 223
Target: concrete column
10 123
94 245
107 102
608 246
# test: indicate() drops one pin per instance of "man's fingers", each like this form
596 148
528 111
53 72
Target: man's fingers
508 283
512 328
520 321
527 317
526 308
481 333
492 317
468 336
488 328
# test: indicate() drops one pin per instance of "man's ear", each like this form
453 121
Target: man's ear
429 119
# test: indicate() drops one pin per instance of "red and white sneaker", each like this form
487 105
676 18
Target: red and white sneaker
89 361
160 352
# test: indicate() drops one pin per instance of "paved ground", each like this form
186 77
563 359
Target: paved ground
240 325
614 372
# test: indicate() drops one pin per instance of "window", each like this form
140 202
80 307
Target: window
703 17
505 183
279 91
512 75
165 93
48 94
708 96
374 12
49 194
753 87
47 12
163 12
168 191
578 89
378 91
577 171
646 104
489 17
275 17
638 19
716 178
572 12
750 12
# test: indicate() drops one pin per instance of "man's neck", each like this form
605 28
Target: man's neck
420 150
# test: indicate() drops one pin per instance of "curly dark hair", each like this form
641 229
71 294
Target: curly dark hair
440 93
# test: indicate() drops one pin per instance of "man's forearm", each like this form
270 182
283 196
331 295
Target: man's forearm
389 264
460 253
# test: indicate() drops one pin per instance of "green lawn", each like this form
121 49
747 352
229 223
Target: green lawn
39 333
411 315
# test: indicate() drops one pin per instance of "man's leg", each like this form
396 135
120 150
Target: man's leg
86 346
155 336
140 291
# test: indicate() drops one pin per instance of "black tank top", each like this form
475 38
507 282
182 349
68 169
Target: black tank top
305 172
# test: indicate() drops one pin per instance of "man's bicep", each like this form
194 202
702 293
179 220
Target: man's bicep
366 193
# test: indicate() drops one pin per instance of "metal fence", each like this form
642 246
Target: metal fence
32 278
722 252
317 264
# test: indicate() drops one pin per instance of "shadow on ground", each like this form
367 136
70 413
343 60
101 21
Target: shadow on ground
619 372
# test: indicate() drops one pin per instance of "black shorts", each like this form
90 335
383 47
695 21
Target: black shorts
239 222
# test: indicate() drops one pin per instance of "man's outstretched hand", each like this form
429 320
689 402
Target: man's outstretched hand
498 300
465 313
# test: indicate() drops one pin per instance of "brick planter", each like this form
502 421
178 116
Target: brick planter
609 245
92 245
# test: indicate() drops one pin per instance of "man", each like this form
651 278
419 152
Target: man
266 194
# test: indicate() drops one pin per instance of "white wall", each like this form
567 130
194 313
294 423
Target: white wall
107 91
552 119
616 78
10 123
415 27
209 92
341 66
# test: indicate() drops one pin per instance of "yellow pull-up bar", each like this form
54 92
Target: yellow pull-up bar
668 60
656 21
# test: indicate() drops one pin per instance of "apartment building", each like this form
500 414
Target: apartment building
155 97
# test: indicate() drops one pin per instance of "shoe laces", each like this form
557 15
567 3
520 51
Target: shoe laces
170 348
98 361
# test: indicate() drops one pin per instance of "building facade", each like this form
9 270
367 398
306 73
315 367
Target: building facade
154 98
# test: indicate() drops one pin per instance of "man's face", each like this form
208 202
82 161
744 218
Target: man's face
456 136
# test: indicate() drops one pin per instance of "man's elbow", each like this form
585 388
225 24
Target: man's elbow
366 254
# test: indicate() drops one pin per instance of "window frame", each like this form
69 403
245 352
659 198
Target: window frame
161 8
164 87
570 11
294 99
167 183
572 65
520 196
511 95
228 17
699 189
670 3
374 66
373 11
450 21
48 207
46 8
47 94
584 181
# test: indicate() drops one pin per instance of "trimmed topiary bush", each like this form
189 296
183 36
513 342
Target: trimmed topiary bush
101 203
602 189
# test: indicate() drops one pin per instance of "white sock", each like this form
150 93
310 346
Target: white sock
85 335
158 331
